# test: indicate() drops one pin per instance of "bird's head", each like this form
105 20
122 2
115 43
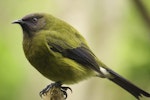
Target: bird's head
33 23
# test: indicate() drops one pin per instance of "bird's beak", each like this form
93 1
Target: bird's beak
18 21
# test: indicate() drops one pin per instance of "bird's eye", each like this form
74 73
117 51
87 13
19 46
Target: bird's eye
34 20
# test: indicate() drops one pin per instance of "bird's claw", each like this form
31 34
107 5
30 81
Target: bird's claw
45 90
57 85
64 89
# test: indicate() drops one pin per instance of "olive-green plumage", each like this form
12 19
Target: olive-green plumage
60 53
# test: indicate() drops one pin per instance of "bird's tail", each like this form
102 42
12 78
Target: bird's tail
128 86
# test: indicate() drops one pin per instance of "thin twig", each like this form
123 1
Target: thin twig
142 9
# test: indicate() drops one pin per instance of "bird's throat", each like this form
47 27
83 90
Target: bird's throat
26 32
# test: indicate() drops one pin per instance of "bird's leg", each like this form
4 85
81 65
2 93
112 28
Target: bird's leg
57 85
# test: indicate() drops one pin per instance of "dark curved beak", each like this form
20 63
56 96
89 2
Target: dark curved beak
18 21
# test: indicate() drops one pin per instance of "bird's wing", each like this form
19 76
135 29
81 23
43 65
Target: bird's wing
81 54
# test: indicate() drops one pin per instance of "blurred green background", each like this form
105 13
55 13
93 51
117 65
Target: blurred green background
117 32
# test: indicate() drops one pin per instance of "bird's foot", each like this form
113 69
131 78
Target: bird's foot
57 85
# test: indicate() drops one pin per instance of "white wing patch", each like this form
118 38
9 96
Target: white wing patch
105 73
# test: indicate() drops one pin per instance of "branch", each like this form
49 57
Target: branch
54 93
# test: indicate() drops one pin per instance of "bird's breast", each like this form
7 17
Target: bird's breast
37 54
52 65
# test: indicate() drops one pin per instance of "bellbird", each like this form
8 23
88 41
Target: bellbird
60 53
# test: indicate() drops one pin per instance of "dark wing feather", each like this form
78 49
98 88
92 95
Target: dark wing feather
80 54
85 57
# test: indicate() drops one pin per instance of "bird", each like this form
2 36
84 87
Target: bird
60 53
